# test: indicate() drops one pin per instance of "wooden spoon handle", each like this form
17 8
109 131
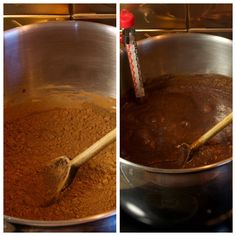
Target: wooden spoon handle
213 131
94 149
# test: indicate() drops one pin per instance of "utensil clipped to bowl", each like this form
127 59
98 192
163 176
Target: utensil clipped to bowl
61 171
127 20
187 150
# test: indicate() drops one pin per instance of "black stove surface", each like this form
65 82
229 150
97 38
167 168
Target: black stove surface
129 224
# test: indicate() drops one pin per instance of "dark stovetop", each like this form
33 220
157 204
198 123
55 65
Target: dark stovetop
129 224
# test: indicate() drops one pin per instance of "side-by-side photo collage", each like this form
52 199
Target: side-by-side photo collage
117 117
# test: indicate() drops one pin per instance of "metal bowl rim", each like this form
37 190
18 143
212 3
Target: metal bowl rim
58 223
53 23
181 35
176 171
186 35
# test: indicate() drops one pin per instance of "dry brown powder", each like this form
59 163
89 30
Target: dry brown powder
34 139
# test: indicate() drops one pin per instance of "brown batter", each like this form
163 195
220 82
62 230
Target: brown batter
177 109
34 138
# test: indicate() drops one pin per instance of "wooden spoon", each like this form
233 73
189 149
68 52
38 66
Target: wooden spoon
187 150
61 171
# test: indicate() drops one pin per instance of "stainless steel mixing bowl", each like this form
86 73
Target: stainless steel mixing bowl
64 57
171 197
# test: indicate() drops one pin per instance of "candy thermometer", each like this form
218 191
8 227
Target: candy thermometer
128 38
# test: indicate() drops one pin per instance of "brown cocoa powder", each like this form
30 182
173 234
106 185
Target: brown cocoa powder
35 138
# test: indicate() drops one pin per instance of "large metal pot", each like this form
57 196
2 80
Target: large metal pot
44 59
172 197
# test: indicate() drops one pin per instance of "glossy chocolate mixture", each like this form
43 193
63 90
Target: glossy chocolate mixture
177 109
